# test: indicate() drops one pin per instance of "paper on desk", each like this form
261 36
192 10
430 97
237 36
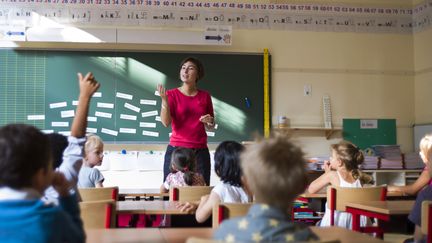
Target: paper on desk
150 160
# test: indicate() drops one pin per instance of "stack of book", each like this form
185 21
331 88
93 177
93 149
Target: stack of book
391 156
413 161
370 163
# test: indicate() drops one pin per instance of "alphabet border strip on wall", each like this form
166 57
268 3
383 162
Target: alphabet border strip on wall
194 14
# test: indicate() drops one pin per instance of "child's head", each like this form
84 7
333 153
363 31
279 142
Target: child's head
426 149
275 171
58 145
183 159
93 150
346 154
25 158
227 162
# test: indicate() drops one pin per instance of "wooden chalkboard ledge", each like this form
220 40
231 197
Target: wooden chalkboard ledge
328 132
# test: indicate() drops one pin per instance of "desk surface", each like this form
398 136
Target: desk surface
148 207
323 194
398 207
145 192
181 234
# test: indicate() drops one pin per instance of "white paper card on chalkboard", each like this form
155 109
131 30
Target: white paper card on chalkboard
35 117
132 107
74 102
152 134
148 102
97 95
147 124
105 105
91 130
69 113
149 113
158 118
58 105
369 124
103 114
92 119
124 96
109 132
59 124
210 134
65 133
157 93
128 117
127 130
47 131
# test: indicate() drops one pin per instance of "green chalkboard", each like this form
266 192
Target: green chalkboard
383 134
36 82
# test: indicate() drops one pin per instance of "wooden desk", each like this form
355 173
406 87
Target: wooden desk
181 234
378 209
343 235
146 192
148 207
124 235
322 195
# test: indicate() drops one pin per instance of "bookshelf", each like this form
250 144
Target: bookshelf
327 132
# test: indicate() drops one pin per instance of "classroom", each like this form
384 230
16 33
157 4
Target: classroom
302 68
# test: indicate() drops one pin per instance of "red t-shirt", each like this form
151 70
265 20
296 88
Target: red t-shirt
187 130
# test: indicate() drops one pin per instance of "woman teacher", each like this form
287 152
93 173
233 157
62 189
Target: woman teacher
189 111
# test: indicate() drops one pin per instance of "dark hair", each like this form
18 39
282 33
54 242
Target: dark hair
227 162
58 144
197 63
183 159
23 151
351 157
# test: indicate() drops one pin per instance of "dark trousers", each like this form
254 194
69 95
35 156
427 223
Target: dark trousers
203 162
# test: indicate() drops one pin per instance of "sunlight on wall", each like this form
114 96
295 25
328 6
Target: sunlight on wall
229 117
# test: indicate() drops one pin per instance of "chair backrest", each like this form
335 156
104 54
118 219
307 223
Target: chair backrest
224 211
426 220
98 214
188 193
338 197
100 193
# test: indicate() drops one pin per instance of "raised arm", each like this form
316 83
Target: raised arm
88 86
165 110
205 208
325 179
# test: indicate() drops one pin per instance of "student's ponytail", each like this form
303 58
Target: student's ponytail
188 177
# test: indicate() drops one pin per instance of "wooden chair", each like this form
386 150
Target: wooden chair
426 220
98 214
224 211
194 239
188 193
338 197
96 194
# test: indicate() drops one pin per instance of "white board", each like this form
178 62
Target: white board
419 132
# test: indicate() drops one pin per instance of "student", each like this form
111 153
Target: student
275 172
229 189
68 155
89 176
25 172
341 171
425 194
183 170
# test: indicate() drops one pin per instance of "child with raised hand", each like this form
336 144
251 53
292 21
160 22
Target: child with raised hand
275 173
426 193
69 159
229 189
342 171
89 176
183 170
25 172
